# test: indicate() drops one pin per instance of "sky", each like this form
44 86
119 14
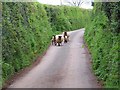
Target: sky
86 4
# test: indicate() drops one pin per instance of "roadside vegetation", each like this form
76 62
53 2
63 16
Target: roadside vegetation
25 34
102 37
27 29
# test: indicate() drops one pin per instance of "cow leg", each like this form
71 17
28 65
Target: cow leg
58 44
55 44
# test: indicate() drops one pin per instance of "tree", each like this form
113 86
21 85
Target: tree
74 2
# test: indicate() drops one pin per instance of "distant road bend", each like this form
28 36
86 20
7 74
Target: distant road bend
66 66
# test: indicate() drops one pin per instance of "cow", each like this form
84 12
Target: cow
54 40
66 37
59 40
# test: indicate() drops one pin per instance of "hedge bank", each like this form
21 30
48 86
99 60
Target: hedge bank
102 37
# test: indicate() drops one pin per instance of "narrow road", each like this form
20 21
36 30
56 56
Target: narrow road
66 66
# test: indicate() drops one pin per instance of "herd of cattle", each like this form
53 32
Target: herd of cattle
59 39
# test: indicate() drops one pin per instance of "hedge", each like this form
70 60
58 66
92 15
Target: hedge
102 37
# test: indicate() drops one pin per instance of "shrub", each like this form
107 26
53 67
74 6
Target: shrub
101 37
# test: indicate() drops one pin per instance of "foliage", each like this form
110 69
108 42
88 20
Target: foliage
25 34
65 18
101 36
